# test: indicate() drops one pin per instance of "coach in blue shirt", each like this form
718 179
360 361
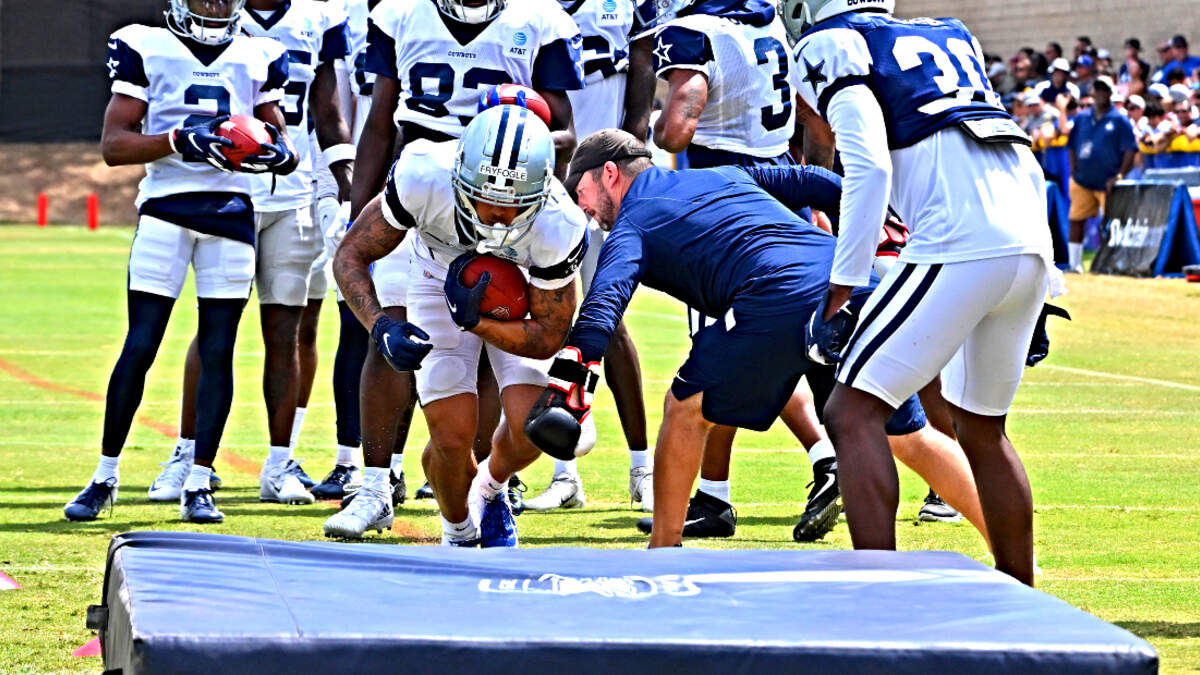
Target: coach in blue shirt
1103 147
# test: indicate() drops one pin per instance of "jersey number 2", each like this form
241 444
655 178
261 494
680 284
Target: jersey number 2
196 93
768 49
965 65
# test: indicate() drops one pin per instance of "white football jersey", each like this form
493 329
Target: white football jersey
751 81
419 194
356 15
532 43
605 26
180 89
312 33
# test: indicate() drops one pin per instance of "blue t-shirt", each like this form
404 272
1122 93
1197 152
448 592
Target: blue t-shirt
708 236
1099 146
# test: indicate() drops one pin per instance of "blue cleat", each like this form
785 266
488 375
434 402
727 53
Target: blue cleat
87 504
294 468
214 482
197 506
496 525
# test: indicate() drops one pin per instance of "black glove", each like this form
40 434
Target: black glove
559 423
200 143
274 157
394 341
462 301
825 340
1039 345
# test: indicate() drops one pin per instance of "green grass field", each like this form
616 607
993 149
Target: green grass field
1108 429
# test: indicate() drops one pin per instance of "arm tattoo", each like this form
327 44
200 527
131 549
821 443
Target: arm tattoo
542 335
370 239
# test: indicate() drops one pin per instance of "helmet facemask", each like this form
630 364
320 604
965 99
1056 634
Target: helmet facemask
471 11
209 22
496 237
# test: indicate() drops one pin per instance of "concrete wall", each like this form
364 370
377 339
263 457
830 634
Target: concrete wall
1005 26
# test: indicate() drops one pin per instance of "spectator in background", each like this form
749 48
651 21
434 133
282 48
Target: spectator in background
1181 96
1186 62
1102 148
1165 59
1058 83
1135 73
1052 51
1154 132
1104 64
1085 73
1049 127
1083 45
1135 109
1161 93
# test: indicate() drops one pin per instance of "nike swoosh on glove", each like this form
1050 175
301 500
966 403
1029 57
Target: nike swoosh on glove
1039 344
464 302
559 424
825 340
394 340
200 143
274 157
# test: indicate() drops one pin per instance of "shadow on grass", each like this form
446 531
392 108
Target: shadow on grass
1161 629
605 540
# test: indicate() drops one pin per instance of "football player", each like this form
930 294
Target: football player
288 240
429 87
172 88
618 92
493 191
912 97
729 101
692 246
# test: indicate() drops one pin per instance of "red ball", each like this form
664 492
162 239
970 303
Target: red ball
515 94
507 295
247 133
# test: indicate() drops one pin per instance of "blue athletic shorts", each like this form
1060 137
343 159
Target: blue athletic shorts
908 418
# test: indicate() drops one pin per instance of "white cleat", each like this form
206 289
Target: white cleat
565 492
169 485
368 511
641 487
280 486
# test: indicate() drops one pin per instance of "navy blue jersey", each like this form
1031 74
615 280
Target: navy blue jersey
709 237
927 74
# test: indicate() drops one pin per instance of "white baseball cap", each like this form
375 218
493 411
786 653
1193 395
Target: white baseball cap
1060 64
1160 90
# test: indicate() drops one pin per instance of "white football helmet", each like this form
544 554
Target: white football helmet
471 11
800 15
209 22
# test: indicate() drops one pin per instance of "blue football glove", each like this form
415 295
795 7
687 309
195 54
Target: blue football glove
394 340
200 143
825 340
462 301
558 423
1039 345
274 157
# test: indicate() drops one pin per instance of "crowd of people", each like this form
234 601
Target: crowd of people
1150 116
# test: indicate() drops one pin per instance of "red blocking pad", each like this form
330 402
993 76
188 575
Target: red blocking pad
183 602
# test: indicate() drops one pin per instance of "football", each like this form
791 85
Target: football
507 295
515 94
247 134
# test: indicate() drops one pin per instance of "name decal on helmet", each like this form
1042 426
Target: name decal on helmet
517 173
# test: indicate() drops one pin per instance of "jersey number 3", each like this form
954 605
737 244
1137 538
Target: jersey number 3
769 50
965 65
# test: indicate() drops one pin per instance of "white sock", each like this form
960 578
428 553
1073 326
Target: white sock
345 455
277 457
716 488
489 486
297 424
639 458
198 478
107 468
822 449
561 467
375 479
458 531
397 459
1074 254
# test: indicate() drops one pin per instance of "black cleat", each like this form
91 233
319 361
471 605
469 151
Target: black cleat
425 491
824 504
399 491
516 494
341 481
935 510
707 517
91 500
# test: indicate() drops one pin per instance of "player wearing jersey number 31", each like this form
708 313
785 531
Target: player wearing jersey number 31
915 117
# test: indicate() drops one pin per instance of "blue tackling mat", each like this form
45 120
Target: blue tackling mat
196 603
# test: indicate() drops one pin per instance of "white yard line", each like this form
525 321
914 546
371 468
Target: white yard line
1129 378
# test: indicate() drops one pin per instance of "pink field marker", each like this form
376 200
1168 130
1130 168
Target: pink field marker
92 648
7 583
